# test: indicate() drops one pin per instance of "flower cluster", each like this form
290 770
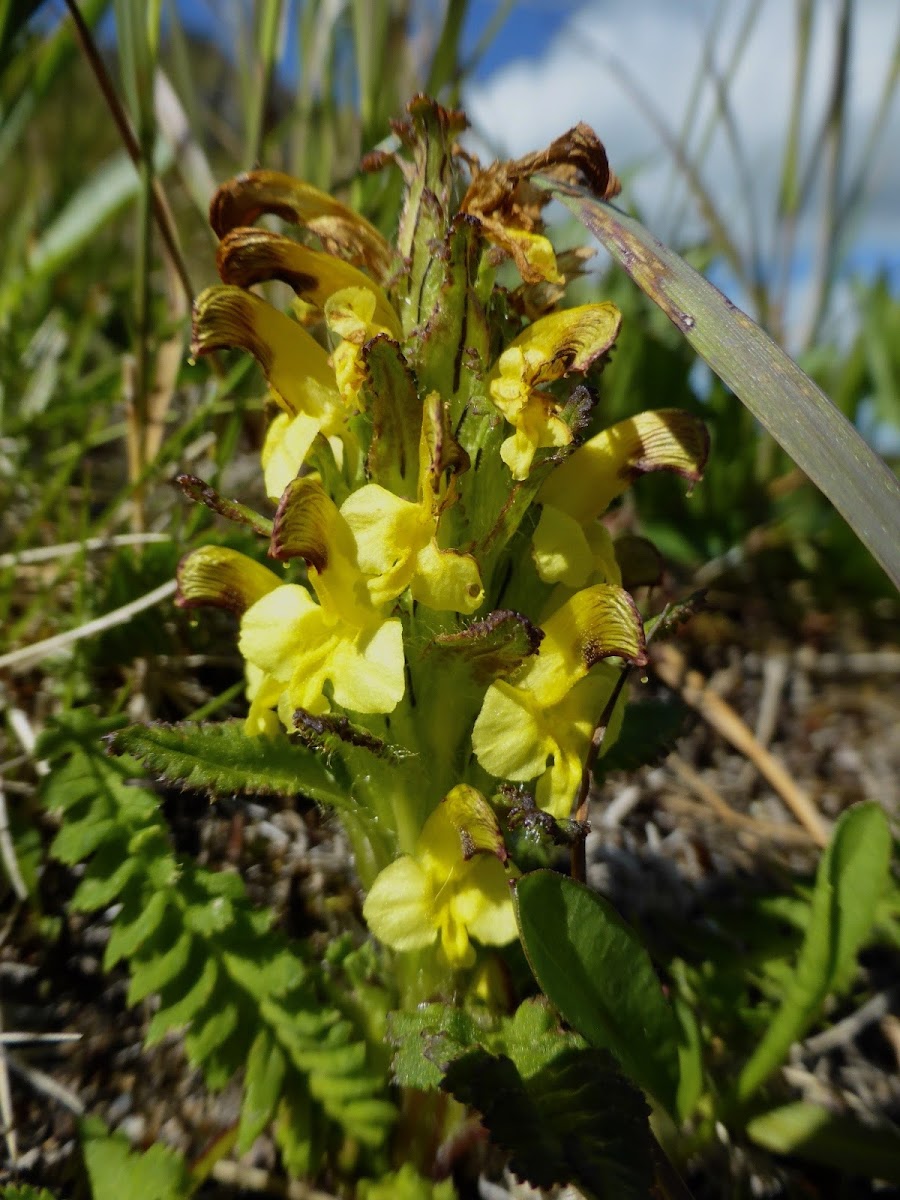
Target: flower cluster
449 607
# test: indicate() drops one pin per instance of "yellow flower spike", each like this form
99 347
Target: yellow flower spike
396 539
218 577
667 439
449 890
546 713
247 256
553 346
342 231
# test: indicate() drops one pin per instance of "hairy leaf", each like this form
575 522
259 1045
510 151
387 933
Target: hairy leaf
223 759
575 1121
593 967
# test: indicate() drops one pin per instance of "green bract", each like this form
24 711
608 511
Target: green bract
439 465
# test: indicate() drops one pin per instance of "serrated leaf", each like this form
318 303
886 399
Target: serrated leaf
852 874
274 973
151 974
211 1029
295 1130
80 835
178 1007
800 417
412 1032
223 759
106 876
832 1139
262 1087
388 396
138 920
126 934
576 1121
650 729
593 967
532 1037
406 1184
116 1172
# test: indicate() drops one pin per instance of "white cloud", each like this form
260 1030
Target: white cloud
526 104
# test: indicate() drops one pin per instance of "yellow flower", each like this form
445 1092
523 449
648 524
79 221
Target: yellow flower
540 723
397 539
569 547
353 314
548 349
296 367
438 893
299 646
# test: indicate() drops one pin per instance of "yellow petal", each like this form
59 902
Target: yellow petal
398 908
475 823
277 629
264 693
367 670
571 724
668 439
508 739
447 580
222 578
455 944
562 342
388 532
294 364
560 549
288 440
247 256
308 525
553 346
565 552
484 903
595 623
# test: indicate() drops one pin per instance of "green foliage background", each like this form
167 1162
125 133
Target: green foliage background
98 410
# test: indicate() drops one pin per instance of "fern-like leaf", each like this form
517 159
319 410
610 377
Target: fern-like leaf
192 937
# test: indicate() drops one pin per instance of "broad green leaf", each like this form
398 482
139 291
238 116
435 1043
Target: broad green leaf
592 966
138 920
832 1139
106 875
222 759
576 1121
117 1172
416 1033
800 417
852 874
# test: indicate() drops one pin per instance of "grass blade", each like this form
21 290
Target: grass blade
800 417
